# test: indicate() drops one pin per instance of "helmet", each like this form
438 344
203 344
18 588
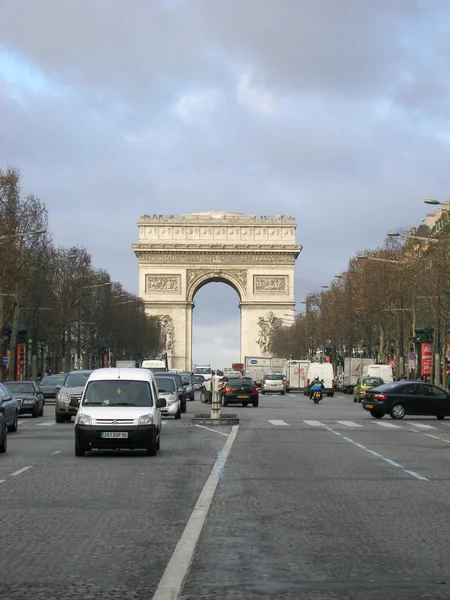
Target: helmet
316 378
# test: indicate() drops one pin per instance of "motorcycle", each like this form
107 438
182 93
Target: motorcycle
317 397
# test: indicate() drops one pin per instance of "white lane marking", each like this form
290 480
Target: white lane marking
437 438
2 480
350 424
164 422
215 430
388 425
277 422
378 455
45 424
314 423
423 426
172 581
20 471
56 452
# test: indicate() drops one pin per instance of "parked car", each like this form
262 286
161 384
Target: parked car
69 396
3 434
51 384
240 390
188 384
119 408
29 396
168 389
404 397
273 382
363 385
9 407
181 388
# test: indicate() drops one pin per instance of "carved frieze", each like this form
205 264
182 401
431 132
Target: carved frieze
193 275
163 283
206 258
263 284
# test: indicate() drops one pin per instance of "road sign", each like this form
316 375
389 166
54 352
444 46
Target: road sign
5 360
412 364
412 356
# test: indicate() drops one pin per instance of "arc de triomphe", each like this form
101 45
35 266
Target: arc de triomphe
179 255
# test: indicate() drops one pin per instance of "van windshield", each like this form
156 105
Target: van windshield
118 393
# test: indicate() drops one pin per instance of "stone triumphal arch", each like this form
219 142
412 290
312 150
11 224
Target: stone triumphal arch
179 255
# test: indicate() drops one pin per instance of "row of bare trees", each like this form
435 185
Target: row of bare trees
66 311
380 304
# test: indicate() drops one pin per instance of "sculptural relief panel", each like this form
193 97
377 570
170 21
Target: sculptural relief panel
276 284
163 283
200 258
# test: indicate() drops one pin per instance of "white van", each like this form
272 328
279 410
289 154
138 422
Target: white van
119 408
383 371
325 372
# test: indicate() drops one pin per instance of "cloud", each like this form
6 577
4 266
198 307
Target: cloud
192 107
257 100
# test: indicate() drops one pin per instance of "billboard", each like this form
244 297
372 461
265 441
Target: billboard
426 353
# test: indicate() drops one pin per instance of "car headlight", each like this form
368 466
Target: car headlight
145 420
171 400
62 398
84 420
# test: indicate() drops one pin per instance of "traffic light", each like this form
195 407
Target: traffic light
30 340
328 350
424 335
22 336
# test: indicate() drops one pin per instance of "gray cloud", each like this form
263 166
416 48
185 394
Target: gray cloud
334 112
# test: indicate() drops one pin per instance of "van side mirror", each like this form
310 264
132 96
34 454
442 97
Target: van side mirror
161 403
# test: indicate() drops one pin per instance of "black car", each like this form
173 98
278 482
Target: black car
31 396
181 388
51 384
3 434
9 407
407 398
240 390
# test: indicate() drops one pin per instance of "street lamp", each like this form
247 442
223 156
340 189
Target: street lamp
365 257
413 237
22 234
437 203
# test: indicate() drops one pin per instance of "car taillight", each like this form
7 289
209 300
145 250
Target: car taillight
255 390
227 390
379 397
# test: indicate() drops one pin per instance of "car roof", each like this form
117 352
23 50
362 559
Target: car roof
23 381
128 373
77 371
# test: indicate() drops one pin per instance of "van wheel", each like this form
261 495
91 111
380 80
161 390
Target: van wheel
59 418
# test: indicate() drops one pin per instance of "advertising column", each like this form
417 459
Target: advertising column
426 359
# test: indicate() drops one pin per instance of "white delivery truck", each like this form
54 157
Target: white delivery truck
325 373
204 370
297 374
383 371
353 369
279 365
155 365
256 366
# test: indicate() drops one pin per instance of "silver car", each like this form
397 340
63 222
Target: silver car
68 397
273 382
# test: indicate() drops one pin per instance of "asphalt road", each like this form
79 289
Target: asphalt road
314 502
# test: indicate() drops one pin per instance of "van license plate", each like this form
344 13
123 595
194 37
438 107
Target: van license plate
114 434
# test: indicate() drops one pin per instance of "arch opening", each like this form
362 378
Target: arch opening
216 324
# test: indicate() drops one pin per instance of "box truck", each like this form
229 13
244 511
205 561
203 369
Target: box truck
297 374
353 369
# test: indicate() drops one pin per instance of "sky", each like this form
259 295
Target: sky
336 112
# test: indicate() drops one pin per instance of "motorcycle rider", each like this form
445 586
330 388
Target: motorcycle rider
317 385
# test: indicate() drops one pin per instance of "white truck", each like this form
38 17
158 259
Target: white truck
353 369
257 366
204 370
383 371
297 374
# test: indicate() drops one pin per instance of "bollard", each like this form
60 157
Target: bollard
215 405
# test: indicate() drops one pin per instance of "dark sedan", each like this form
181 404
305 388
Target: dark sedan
240 390
51 384
32 399
407 398
9 407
